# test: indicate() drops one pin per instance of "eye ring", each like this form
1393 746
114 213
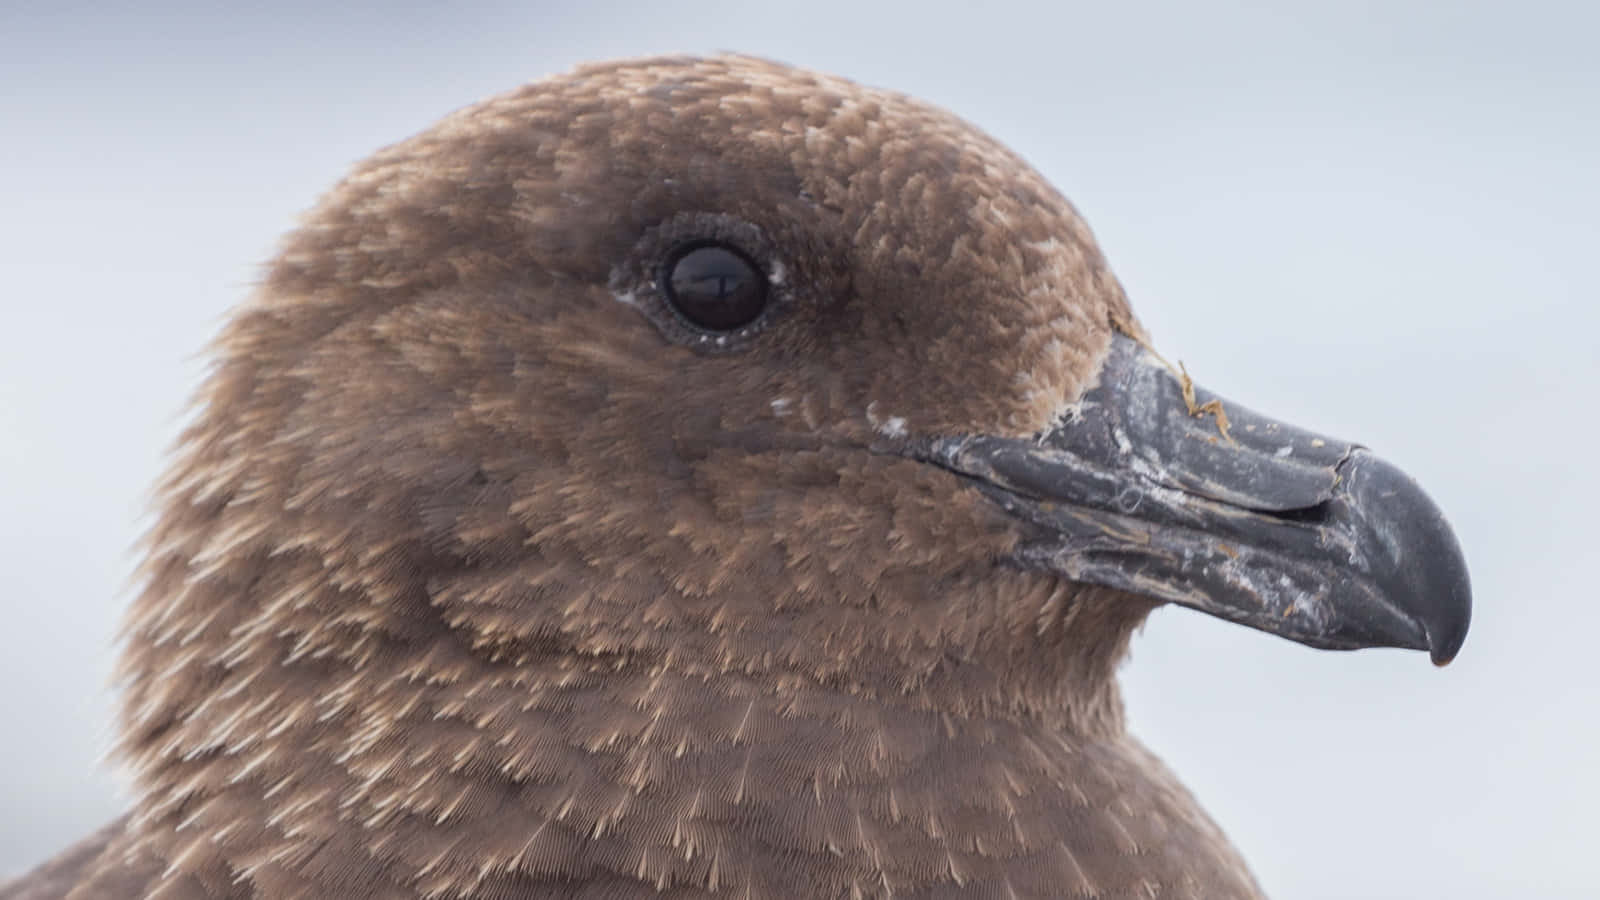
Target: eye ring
713 286
642 279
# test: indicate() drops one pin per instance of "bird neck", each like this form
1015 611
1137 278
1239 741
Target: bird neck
651 776
295 706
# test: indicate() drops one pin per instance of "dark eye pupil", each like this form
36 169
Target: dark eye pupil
716 288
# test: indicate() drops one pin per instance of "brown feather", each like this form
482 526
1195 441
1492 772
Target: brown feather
471 581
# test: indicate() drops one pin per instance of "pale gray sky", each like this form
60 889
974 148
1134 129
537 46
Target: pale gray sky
1373 219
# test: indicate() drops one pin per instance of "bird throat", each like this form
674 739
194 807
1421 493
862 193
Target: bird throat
723 760
671 781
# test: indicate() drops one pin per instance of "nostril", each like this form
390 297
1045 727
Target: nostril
1316 514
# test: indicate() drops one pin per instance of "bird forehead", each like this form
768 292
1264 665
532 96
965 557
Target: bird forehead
740 130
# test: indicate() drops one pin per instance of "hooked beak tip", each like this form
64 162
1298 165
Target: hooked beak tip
1419 562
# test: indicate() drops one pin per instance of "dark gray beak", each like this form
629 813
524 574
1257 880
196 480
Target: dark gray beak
1261 523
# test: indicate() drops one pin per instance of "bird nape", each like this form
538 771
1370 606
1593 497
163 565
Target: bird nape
703 477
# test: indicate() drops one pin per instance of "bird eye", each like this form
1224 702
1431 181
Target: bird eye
715 287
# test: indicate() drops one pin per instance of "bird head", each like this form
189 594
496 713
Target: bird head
724 370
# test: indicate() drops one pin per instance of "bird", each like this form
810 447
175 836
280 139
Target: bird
704 477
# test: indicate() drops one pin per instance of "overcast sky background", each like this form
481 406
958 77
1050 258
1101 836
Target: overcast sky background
1377 220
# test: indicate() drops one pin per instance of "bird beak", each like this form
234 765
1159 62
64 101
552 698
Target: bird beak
1163 490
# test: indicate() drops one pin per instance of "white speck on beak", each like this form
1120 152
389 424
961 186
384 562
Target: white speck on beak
890 426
